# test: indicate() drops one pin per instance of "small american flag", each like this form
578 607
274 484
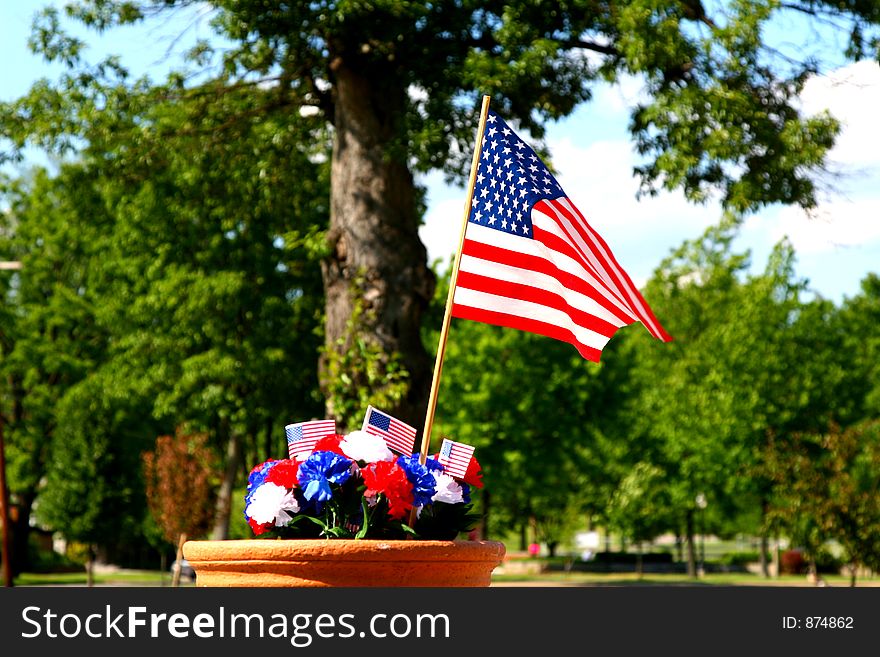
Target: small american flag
530 260
302 436
398 435
455 457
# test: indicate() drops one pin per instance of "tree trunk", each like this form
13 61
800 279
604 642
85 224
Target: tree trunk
20 534
224 495
90 567
691 548
765 543
175 578
377 263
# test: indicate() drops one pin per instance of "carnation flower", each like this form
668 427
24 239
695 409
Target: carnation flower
447 489
474 475
329 444
284 473
389 479
420 477
269 504
258 528
363 446
320 470
256 478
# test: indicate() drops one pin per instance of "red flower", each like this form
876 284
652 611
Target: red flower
330 444
474 474
257 527
390 479
284 472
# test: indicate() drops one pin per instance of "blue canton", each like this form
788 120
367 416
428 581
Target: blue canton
510 179
380 421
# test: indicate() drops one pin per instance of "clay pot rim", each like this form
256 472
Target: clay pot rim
332 549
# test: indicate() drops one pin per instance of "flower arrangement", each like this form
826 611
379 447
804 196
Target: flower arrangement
353 486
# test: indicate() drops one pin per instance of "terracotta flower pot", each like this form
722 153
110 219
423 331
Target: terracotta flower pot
353 563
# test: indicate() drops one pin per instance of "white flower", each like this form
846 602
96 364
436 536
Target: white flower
271 503
447 489
363 446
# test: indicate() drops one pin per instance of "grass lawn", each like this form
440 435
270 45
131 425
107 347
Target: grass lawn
653 579
116 578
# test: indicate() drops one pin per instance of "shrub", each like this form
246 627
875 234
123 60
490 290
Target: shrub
740 558
792 562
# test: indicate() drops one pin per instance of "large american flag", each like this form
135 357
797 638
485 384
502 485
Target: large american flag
455 457
399 436
530 260
302 436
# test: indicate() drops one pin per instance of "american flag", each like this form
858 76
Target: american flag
530 260
455 457
302 436
398 435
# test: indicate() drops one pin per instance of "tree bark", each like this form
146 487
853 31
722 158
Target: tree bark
377 258
227 486
765 542
20 534
691 549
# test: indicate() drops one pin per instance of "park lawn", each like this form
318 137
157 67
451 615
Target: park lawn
653 579
119 578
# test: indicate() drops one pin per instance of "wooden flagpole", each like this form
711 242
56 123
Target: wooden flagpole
447 317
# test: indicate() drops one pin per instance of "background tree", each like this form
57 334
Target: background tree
826 489
192 251
51 336
180 488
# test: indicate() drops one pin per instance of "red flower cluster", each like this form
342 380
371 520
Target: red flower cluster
330 444
390 479
284 473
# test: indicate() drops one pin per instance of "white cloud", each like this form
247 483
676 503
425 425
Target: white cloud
835 225
849 213
442 228
852 95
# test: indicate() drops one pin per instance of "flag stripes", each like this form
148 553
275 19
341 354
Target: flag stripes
302 436
455 457
399 436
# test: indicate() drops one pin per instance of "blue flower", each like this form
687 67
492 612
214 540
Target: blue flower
466 493
433 465
320 470
420 477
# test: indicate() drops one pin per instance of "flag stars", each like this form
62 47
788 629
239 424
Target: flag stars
510 179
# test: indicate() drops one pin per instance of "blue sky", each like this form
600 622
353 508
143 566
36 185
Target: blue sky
591 149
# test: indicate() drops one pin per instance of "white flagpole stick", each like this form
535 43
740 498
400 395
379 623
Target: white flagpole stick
447 317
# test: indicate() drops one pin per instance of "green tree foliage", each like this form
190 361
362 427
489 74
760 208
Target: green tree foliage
177 266
399 83
51 336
